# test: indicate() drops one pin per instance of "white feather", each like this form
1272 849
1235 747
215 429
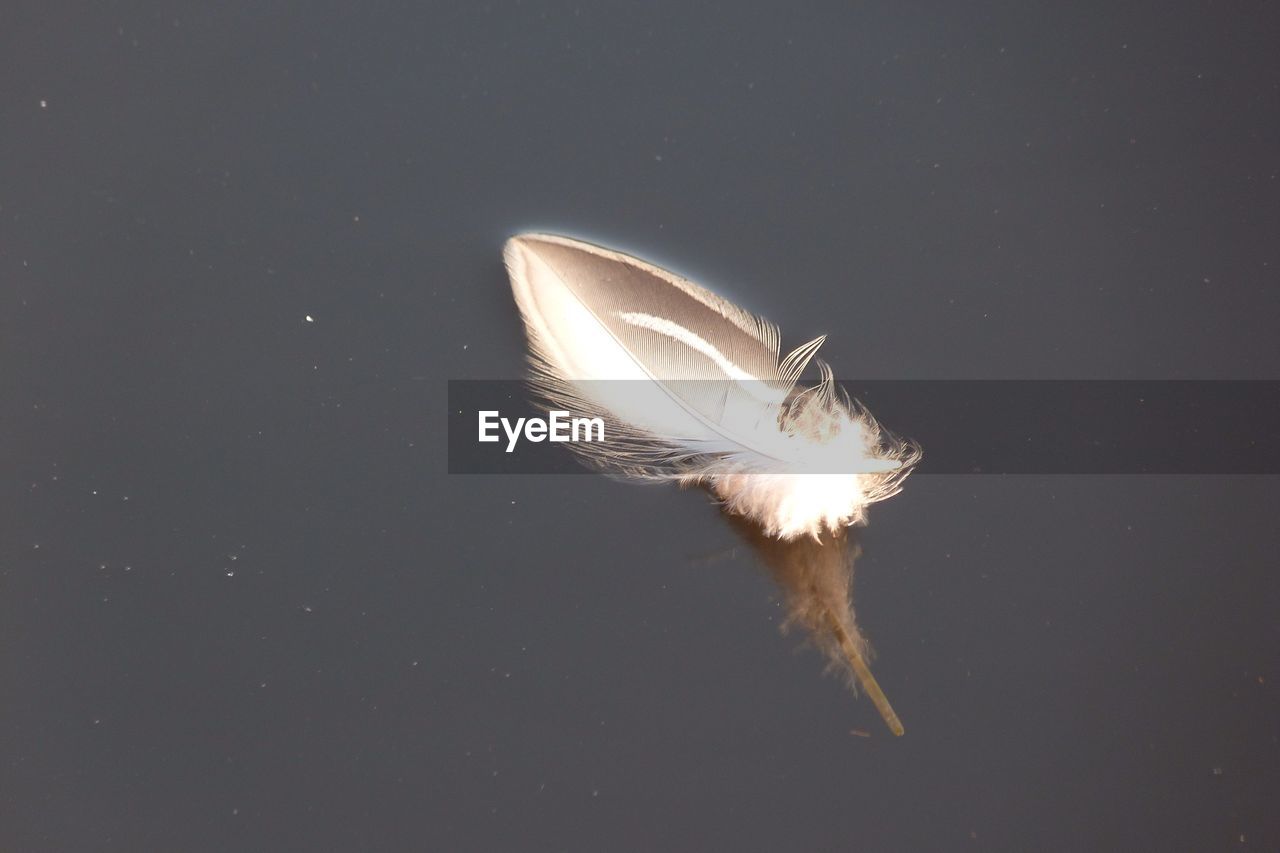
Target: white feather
692 389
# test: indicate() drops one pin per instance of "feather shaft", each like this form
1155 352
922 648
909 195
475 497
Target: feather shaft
865 678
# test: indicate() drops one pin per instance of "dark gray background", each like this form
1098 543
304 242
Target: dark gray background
242 607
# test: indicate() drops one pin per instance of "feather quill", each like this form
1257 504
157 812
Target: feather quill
816 576
693 389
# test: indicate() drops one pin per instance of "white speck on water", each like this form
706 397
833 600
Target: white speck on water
310 319
44 105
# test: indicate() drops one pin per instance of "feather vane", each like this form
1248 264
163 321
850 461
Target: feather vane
693 389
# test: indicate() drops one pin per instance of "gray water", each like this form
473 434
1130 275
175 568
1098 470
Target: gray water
243 607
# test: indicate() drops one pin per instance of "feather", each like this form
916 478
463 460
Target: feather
693 389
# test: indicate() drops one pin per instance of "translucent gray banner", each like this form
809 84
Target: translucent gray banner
962 426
